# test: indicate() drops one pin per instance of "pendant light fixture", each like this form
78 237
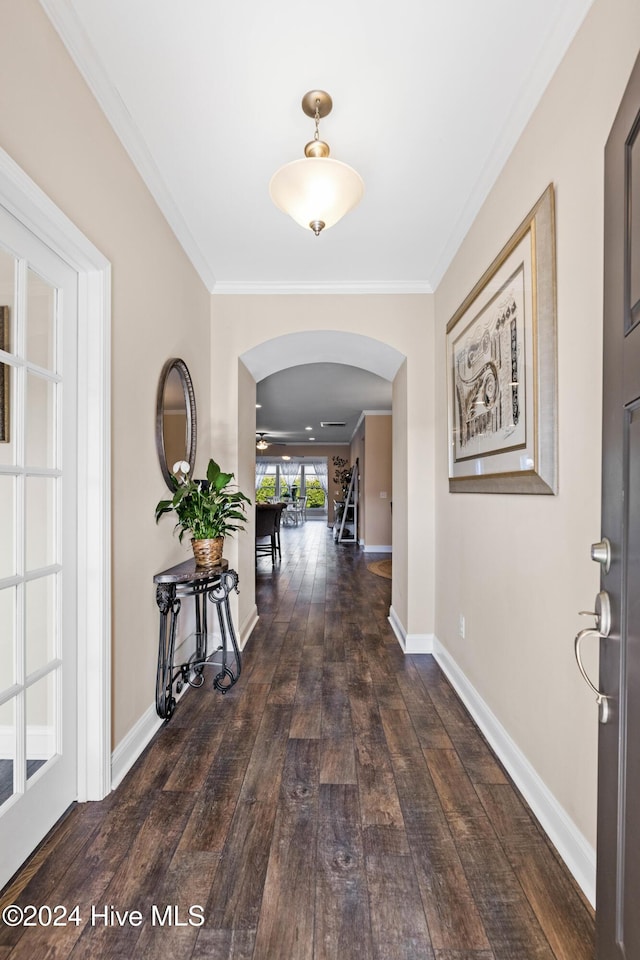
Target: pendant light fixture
262 443
316 190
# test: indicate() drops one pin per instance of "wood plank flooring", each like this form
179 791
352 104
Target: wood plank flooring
338 802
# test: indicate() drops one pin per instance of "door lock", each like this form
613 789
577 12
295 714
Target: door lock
602 614
601 553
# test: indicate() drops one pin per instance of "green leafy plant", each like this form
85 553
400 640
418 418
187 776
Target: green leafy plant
315 493
267 489
205 508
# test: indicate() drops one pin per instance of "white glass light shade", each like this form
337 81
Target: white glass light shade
316 189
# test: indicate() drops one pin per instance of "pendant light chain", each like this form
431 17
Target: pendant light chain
316 135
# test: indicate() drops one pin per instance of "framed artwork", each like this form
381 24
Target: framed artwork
502 368
4 376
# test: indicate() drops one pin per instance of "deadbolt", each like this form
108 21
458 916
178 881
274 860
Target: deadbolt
601 553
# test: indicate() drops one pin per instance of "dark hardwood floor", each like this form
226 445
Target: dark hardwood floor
338 802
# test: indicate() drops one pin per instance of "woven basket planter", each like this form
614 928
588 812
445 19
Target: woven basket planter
208 553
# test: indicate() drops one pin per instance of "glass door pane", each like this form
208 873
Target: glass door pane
40 440
8 607
7 339
41 514
42 729
7 749
41 622
40 326
7 526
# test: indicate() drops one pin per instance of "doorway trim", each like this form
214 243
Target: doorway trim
33 208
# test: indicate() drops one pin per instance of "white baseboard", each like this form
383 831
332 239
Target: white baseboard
571 844
373 548
248 627
133 743
139 736
410 642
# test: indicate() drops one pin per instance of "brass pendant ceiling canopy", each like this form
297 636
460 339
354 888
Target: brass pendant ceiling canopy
316 191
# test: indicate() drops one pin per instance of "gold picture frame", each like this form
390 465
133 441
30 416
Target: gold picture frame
502 368
5 373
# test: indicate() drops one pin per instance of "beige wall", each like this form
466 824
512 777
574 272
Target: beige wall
246 481
377 480
400 480
356 454
52 127
518 567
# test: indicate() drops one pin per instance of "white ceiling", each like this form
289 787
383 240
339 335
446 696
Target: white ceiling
429 99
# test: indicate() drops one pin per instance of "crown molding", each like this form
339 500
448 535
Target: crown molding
287 288
84 55
370 413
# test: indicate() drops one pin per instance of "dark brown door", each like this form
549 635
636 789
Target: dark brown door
618 883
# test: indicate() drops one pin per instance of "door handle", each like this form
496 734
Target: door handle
602 627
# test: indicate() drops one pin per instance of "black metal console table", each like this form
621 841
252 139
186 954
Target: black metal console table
202 583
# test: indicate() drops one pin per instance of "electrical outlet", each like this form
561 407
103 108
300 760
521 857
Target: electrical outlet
461 626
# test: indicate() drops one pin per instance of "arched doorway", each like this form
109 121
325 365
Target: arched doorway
324 346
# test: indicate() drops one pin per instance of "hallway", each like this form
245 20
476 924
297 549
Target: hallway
337 803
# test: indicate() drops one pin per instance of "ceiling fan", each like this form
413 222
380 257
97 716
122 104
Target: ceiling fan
262 444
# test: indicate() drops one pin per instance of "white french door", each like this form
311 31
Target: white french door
38 541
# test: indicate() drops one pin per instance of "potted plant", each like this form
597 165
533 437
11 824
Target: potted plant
207 509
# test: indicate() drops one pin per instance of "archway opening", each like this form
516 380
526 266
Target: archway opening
325 347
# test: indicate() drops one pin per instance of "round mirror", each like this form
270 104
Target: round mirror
176 424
